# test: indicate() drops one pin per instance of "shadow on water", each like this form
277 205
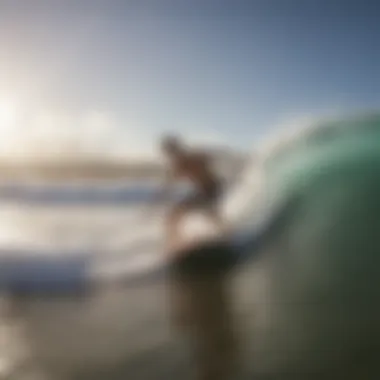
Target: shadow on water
201 310
202 307
179 326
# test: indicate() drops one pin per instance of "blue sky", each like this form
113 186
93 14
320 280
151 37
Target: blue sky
114 74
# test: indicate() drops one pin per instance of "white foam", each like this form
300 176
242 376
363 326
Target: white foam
121 239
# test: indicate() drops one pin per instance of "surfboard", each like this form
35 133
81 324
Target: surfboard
205 256
222 252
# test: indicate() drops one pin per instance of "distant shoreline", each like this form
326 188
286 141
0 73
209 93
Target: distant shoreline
104 171
100 170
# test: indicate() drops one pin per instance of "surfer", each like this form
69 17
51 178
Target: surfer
194 167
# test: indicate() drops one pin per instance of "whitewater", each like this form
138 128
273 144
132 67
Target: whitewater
111 222
321 267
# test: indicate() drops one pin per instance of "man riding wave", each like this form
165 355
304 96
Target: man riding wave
195 167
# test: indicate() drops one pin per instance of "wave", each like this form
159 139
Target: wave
107 220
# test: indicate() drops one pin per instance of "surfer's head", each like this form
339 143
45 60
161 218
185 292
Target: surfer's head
171 145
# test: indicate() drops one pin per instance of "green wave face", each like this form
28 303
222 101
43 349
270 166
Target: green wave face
341 145
322 297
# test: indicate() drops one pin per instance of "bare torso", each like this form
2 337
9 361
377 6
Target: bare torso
196 168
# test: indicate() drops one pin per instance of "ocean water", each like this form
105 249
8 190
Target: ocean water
112 222
72 217
309 308
114 328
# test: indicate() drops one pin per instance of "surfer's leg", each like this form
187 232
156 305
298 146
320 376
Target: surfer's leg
214 214
211 211
210 207
175 217
172 227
